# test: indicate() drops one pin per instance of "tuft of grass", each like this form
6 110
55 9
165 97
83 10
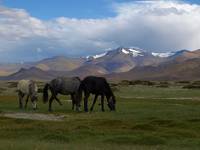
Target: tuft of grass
137 140
148 127
194 120
56 138
12 84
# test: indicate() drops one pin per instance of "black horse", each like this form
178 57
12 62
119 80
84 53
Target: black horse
97 86
64 86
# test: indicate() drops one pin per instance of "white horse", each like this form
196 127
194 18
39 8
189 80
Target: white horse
29 88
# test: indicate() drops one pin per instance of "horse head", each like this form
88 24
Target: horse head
34 99
111 103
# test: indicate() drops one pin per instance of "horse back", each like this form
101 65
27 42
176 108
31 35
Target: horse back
66 85
27 86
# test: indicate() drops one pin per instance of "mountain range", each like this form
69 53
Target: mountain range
117 64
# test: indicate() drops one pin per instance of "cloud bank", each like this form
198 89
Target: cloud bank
150 25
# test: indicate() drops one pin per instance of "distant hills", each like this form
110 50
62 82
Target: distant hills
59 63
187 70
117 64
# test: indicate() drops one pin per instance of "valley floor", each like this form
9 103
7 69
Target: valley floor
147 118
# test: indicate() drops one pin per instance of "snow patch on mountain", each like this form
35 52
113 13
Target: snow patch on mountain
96 56
167 54
125 51
100 55
133 52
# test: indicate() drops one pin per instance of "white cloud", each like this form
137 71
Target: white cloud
151 25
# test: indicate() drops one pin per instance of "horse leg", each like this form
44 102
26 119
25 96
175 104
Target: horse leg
86 102
50 103
77 100
102 102
59 102
26 101
20 95
55 96
94 101
73 101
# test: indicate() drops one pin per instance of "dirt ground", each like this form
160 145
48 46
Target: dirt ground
35 116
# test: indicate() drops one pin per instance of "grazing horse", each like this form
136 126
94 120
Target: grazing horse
29 88
97 86
64 86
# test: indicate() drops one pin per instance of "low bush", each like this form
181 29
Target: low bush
163 86
142 82
125 82
12 84
182 82
193 85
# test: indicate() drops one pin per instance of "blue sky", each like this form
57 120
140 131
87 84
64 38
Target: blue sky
66 8
35 29
48 9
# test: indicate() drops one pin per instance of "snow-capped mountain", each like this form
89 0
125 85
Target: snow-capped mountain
111 61
123 59
134 52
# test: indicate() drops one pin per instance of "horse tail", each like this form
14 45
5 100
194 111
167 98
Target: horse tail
45 92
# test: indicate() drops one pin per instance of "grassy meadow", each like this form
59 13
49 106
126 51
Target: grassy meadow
159 116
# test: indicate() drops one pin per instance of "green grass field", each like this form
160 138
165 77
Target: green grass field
146 118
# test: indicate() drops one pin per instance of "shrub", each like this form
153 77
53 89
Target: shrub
193 85
163 86
113 84
12 84
125 82
115 88
196 83
140 82
183 82
164 82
